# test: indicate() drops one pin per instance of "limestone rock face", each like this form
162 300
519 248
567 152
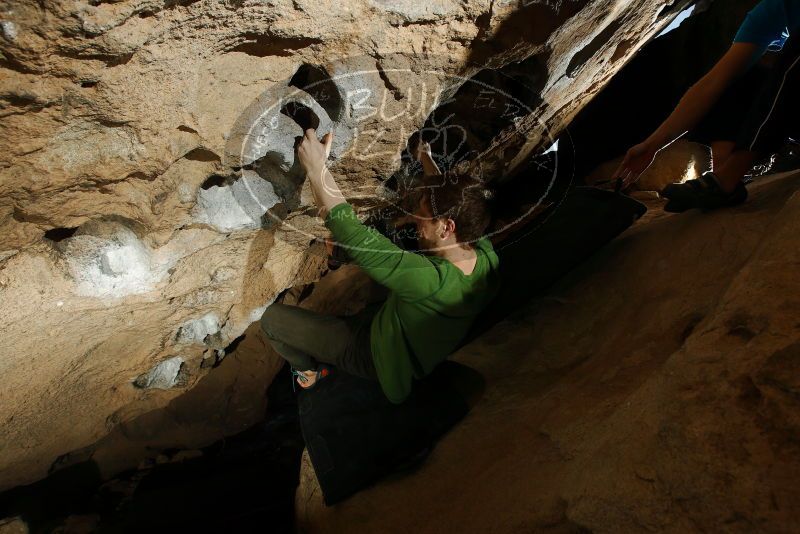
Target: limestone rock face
655 389
150 205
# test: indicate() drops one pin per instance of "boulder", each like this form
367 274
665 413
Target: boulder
147 181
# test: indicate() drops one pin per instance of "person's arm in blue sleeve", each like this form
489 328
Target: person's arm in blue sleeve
764 25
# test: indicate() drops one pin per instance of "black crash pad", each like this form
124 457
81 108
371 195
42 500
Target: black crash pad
355 435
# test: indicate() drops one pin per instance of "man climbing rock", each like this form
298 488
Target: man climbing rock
745 107
433 299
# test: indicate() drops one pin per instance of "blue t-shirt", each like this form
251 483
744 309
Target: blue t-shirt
769 24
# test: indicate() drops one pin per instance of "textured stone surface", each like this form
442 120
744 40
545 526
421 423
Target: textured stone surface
123 206
654 390
13 525
227 400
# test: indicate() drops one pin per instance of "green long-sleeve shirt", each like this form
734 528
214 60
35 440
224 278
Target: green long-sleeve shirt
431 303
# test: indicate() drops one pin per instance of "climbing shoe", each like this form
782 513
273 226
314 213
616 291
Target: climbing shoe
703 193
322 371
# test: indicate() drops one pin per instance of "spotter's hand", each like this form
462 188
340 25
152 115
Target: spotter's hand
636 161
313 154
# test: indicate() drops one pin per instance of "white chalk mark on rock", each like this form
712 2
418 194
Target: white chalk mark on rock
111 263
163 376
238 206
196 330
256 314
9 30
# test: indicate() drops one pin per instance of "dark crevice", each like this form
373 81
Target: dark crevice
169 4
692 323
517 32
405 23
20 216
305 293
482 107
59 234
484 23
317 82
233 344
88 83
111 123
621 49
742 332
587 52
233 485
184 128
202 154
24 101
9 62
303 115
103 185
215 180
110 60
396 93
19 100
270 45
136 175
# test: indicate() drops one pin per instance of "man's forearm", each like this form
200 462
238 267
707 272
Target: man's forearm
694 105
325 190
702 96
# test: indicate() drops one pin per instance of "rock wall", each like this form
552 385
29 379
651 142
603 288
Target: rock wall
150 206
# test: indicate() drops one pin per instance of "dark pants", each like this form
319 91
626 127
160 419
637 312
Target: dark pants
761 109
304 338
